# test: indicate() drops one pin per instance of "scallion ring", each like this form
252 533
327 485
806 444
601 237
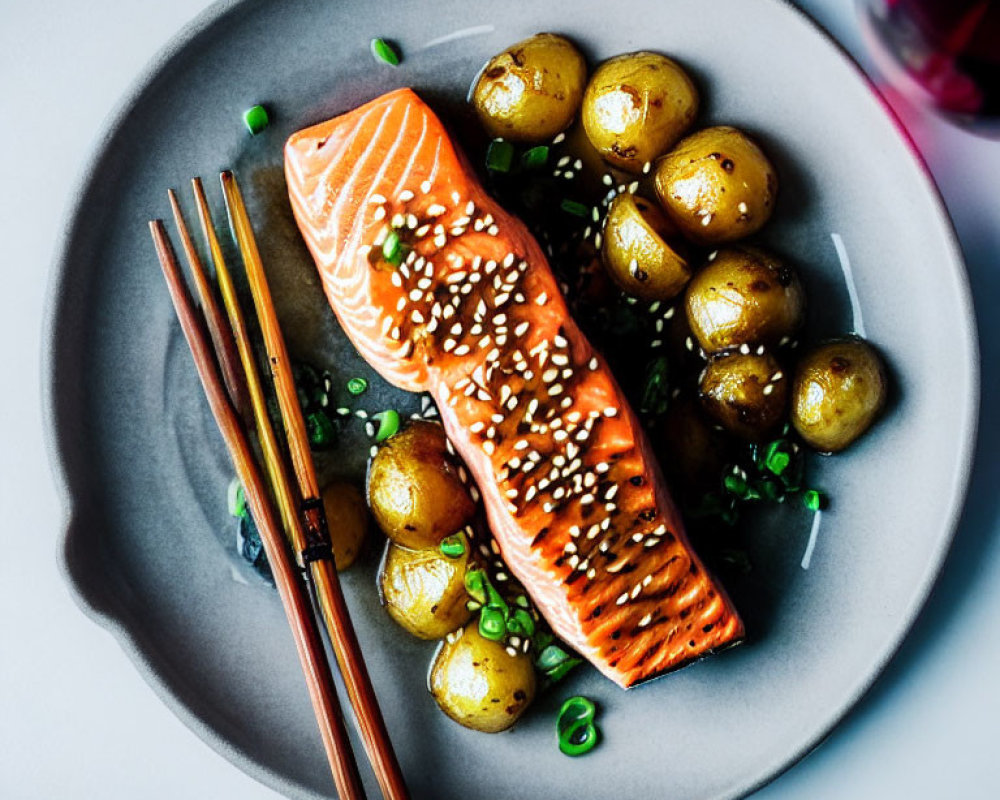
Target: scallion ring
357 386
499 156
453 546
491 624
388 424
575 726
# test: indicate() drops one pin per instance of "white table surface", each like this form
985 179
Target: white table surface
77 720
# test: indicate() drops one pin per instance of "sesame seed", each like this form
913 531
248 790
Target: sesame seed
602 467
489 447
768 389
745 349
378 214
493 230
541 299
607 179
622 598
425 187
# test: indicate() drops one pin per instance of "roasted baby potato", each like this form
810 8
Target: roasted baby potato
414 489
636 253
839 389
746 393
716 185
347 520
744 296
424 590
477 683
636 106
532 90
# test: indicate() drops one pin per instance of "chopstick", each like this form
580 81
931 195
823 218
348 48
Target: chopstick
317 553
222 337
308 641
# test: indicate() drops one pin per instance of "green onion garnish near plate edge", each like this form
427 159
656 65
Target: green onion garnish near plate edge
575 726
385 52
256 119
357 386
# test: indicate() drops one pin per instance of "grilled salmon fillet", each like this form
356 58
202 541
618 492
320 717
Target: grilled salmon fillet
474 316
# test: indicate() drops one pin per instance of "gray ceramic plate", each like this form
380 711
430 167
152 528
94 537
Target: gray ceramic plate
148 546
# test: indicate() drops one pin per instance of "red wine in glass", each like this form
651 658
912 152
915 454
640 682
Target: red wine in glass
946 52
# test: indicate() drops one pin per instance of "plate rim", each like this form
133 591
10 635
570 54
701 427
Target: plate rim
56 448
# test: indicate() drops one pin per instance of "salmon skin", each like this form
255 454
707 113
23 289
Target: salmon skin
474 316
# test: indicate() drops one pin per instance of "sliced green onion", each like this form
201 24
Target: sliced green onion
736 485
575 208
475 585
535 157
551 657
770 489
656 394
575 726
814 500
320 429
491 624
499 156
388 424
256 119
393 250
520 623
235 499
357 385
385 52
578 739
453 546
777 456
561 670
577 708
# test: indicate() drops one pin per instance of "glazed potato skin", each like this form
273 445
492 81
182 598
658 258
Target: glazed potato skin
839 390
636 253
716 185
532 90
478 684
414 490
746 394
636 106
744 296
347 521
424 590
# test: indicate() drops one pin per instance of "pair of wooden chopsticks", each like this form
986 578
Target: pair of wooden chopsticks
287 506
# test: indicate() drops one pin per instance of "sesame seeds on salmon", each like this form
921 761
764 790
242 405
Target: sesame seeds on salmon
473 315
